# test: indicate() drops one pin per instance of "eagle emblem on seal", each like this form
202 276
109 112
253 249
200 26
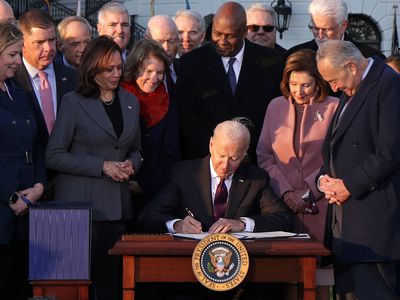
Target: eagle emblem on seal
220 264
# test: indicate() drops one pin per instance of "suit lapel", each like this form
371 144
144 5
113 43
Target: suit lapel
240 185
203 178
24 81
216 68
16 105
356 102
97 113
126 110
249 64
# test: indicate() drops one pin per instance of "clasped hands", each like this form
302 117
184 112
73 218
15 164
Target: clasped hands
334 189
118 171
191 225
33 194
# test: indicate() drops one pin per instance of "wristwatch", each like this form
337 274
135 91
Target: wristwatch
13 198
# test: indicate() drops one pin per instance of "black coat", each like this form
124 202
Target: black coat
205 98
365 154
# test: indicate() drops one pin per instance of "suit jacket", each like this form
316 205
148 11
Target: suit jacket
364 151
205 97
66 80
82 139
18 135
290 171
190 187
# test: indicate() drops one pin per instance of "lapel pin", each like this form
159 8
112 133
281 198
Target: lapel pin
318 116
64 79
241 180
129 107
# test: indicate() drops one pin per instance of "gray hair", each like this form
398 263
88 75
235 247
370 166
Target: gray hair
338 52
235 130
62 26
165 19
261 7
334 8
194 15
111 7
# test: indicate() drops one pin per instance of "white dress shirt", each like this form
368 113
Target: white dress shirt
35 80
214 183
237 66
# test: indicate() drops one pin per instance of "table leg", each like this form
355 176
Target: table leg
128 277
309 265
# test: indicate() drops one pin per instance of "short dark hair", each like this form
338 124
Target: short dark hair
303 61
94 61
142 50
35 18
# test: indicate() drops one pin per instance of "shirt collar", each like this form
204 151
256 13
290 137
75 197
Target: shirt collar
214 174
66 63
32 71
370 63
238 56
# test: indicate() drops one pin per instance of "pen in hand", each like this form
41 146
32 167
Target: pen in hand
190 214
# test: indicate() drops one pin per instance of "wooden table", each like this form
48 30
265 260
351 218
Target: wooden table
155 258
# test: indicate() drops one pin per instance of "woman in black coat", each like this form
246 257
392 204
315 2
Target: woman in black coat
22 170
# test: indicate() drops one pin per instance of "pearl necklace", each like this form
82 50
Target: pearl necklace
110 102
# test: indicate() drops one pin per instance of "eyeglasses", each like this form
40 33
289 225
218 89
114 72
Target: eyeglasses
170 42
256 28
15 32
326 31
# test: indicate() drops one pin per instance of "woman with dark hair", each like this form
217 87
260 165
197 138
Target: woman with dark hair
394 62
289 148
95 148
22 170
144 74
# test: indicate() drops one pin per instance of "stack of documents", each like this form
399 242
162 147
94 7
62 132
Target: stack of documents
248 235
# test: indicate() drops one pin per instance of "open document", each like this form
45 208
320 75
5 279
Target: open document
248 235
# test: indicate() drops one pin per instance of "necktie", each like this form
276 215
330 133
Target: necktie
46 99
232 75
221 195
170 83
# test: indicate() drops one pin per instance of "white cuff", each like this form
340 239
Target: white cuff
170 225
250 224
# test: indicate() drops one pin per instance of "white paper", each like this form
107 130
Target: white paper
247 235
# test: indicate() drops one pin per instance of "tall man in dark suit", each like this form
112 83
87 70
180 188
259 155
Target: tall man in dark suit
329 22
218 193
46 82
226 78
361 173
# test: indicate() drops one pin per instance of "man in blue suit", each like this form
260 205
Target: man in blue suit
361 172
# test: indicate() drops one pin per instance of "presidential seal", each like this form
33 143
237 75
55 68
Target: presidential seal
220 262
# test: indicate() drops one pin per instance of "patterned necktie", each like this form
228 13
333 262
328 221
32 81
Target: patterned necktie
221 196
46 99
232 75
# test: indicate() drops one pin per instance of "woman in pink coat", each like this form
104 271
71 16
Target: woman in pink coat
289 148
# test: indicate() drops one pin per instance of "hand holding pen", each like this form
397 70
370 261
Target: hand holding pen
188 225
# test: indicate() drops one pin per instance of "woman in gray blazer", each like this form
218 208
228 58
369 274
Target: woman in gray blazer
95 148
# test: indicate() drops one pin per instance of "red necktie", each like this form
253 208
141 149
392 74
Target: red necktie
46 99
221 195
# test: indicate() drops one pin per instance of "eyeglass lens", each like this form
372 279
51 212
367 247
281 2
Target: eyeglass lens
266 28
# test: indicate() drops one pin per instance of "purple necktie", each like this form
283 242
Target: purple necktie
232 75
46 99
221 195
